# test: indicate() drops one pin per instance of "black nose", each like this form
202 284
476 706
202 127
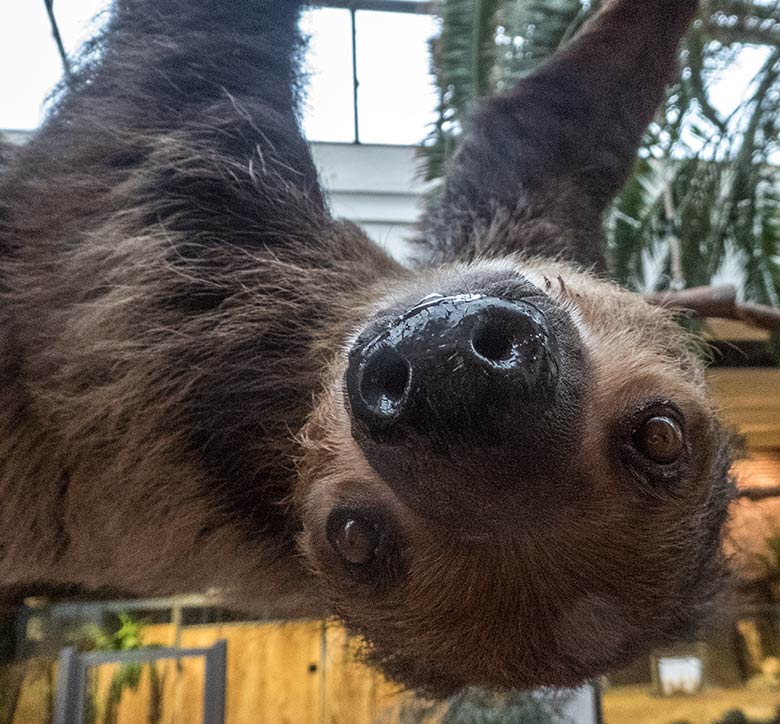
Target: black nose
461 363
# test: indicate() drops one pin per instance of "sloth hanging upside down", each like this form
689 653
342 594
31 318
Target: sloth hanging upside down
498 468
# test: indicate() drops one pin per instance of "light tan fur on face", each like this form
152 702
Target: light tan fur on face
563 580
177 305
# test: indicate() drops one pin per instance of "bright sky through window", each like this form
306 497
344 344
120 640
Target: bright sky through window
396 98
396 95
29 63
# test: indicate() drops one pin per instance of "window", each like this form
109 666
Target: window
329 113
369 75
29 63
383 44
396 94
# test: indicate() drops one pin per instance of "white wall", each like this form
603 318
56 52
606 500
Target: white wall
375 186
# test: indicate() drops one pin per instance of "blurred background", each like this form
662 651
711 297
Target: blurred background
391 85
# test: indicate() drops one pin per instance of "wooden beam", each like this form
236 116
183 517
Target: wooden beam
758 493
749 400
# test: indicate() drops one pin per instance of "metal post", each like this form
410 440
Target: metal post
215 684
71 685
355 79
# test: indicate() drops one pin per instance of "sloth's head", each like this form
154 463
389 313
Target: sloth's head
515 478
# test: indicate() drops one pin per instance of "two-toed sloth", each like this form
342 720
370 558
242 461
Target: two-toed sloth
499 468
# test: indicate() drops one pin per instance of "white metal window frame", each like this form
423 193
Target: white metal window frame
388 6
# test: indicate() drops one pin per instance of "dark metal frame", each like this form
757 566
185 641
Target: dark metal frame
390 6
71 695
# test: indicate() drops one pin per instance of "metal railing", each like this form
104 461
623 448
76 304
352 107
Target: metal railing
71 695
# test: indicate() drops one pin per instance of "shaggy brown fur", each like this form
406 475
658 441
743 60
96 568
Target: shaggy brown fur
177 310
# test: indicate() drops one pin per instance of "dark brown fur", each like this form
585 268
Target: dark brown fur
176 307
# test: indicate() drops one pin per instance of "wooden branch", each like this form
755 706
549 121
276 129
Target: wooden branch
55 31
758 493
718 302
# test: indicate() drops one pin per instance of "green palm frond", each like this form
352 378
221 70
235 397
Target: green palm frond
463 59
530 30
706 188
468 50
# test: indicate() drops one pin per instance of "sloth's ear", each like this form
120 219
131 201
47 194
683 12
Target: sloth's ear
540 163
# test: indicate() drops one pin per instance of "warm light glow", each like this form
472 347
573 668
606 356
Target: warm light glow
761 469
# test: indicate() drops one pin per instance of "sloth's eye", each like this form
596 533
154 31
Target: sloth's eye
356 541
660 439
366 541
353 536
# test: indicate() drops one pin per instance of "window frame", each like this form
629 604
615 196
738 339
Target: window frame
353 6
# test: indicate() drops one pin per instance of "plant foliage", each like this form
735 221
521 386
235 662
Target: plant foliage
478 706
128 636
705 193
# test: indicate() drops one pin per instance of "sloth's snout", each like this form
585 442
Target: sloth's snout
470 400
457 362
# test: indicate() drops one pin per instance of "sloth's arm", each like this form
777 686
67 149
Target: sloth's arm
540 163
167 269
180 84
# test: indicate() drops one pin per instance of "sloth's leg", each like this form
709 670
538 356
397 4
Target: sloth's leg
541 162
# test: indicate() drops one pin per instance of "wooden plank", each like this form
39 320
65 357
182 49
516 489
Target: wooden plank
274 672
350 686
733 331
746 386
749 400
37 688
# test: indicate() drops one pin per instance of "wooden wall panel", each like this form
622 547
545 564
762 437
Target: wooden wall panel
274 671
749 400
350 688
304 672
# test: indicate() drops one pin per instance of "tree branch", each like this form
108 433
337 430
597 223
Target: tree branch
55 31
759 493
718 302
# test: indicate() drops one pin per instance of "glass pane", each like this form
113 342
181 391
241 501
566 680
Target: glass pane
397 98
328 111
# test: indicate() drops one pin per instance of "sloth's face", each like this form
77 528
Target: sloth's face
514 478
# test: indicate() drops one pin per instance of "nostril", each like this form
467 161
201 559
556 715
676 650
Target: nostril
494 342
385 382
509 338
